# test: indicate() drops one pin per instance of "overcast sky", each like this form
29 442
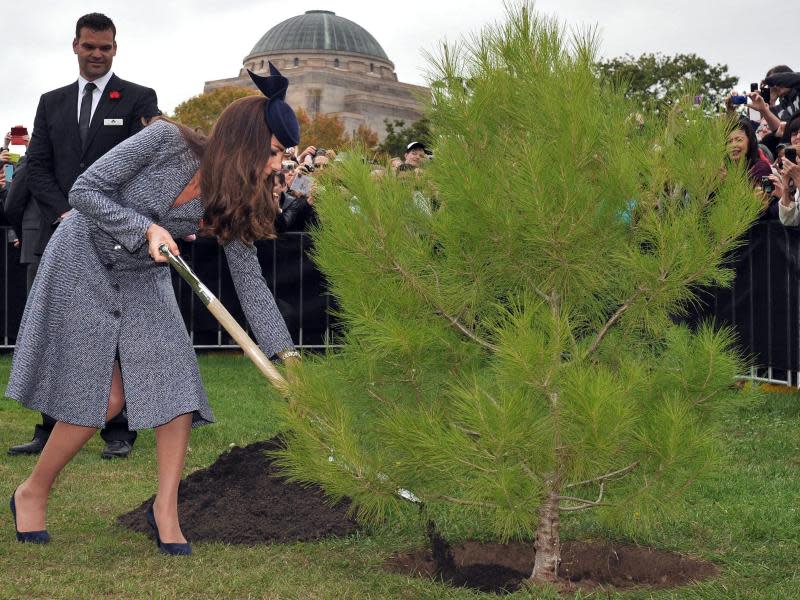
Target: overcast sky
174 46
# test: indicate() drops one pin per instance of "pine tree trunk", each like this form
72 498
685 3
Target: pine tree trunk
547 543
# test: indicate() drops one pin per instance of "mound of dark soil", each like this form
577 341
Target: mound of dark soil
242 499
503 568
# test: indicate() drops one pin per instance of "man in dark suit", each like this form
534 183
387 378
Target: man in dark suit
75 125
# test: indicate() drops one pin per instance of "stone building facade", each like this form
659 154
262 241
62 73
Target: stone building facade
335 67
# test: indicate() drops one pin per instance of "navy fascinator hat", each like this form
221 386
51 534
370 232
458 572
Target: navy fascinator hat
280 117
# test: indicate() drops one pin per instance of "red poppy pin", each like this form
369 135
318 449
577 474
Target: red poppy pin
114 95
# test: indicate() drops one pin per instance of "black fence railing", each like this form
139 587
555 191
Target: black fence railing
296 284
763 305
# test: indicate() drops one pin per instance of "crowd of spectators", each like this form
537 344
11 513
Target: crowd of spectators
295 187
766 139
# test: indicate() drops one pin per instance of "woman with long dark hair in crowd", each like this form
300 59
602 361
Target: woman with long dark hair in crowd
743 148
102 329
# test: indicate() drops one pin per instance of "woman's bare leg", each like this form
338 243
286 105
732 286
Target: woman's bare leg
63 444
172 439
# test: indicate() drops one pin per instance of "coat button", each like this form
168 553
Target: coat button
83 165
115 287
117 314
109 266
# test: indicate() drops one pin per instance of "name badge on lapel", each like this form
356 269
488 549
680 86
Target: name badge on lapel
116 122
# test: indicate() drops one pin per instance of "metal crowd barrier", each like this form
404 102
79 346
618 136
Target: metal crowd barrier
762 305
297 285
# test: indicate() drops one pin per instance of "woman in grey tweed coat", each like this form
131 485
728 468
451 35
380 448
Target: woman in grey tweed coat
102 327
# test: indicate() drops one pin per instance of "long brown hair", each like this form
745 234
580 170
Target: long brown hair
236 193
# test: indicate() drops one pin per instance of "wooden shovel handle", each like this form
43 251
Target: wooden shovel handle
225 319
247 344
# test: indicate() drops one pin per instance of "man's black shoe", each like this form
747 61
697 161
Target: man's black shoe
116 449
33 447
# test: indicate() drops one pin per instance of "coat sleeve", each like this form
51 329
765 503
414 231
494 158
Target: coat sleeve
95 190
259 306
42 180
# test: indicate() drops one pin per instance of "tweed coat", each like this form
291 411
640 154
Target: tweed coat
98 292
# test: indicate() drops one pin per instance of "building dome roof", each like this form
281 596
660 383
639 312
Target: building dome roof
319 30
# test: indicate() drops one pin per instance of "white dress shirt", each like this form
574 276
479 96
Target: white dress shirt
96 95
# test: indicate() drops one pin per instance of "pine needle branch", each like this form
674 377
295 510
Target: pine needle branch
466 331
472 465
584 500
440 310
607 476
379 398
582 507
528 471
716 249
583 504
462 502
610 323
468 432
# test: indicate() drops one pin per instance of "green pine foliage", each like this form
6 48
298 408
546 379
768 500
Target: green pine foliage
519 338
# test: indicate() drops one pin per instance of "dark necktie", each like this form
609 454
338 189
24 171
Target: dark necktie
86 112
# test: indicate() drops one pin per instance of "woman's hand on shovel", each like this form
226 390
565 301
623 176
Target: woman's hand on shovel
157 235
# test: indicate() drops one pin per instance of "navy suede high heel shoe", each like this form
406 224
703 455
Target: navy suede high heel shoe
172 549
31 537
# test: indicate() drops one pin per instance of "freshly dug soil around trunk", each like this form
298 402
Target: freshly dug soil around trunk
502 568
241 499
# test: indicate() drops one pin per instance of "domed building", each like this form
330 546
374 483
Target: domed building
335 67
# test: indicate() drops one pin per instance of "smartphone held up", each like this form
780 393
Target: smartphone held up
19 136
18 143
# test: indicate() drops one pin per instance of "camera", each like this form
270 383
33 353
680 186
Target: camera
735 100
764 91
790 152
767 185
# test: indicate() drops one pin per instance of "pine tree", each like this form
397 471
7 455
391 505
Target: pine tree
515 354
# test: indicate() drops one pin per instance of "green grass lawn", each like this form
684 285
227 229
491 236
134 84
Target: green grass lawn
745 518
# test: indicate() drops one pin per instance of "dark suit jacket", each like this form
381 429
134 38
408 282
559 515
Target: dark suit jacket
24 216
55 157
